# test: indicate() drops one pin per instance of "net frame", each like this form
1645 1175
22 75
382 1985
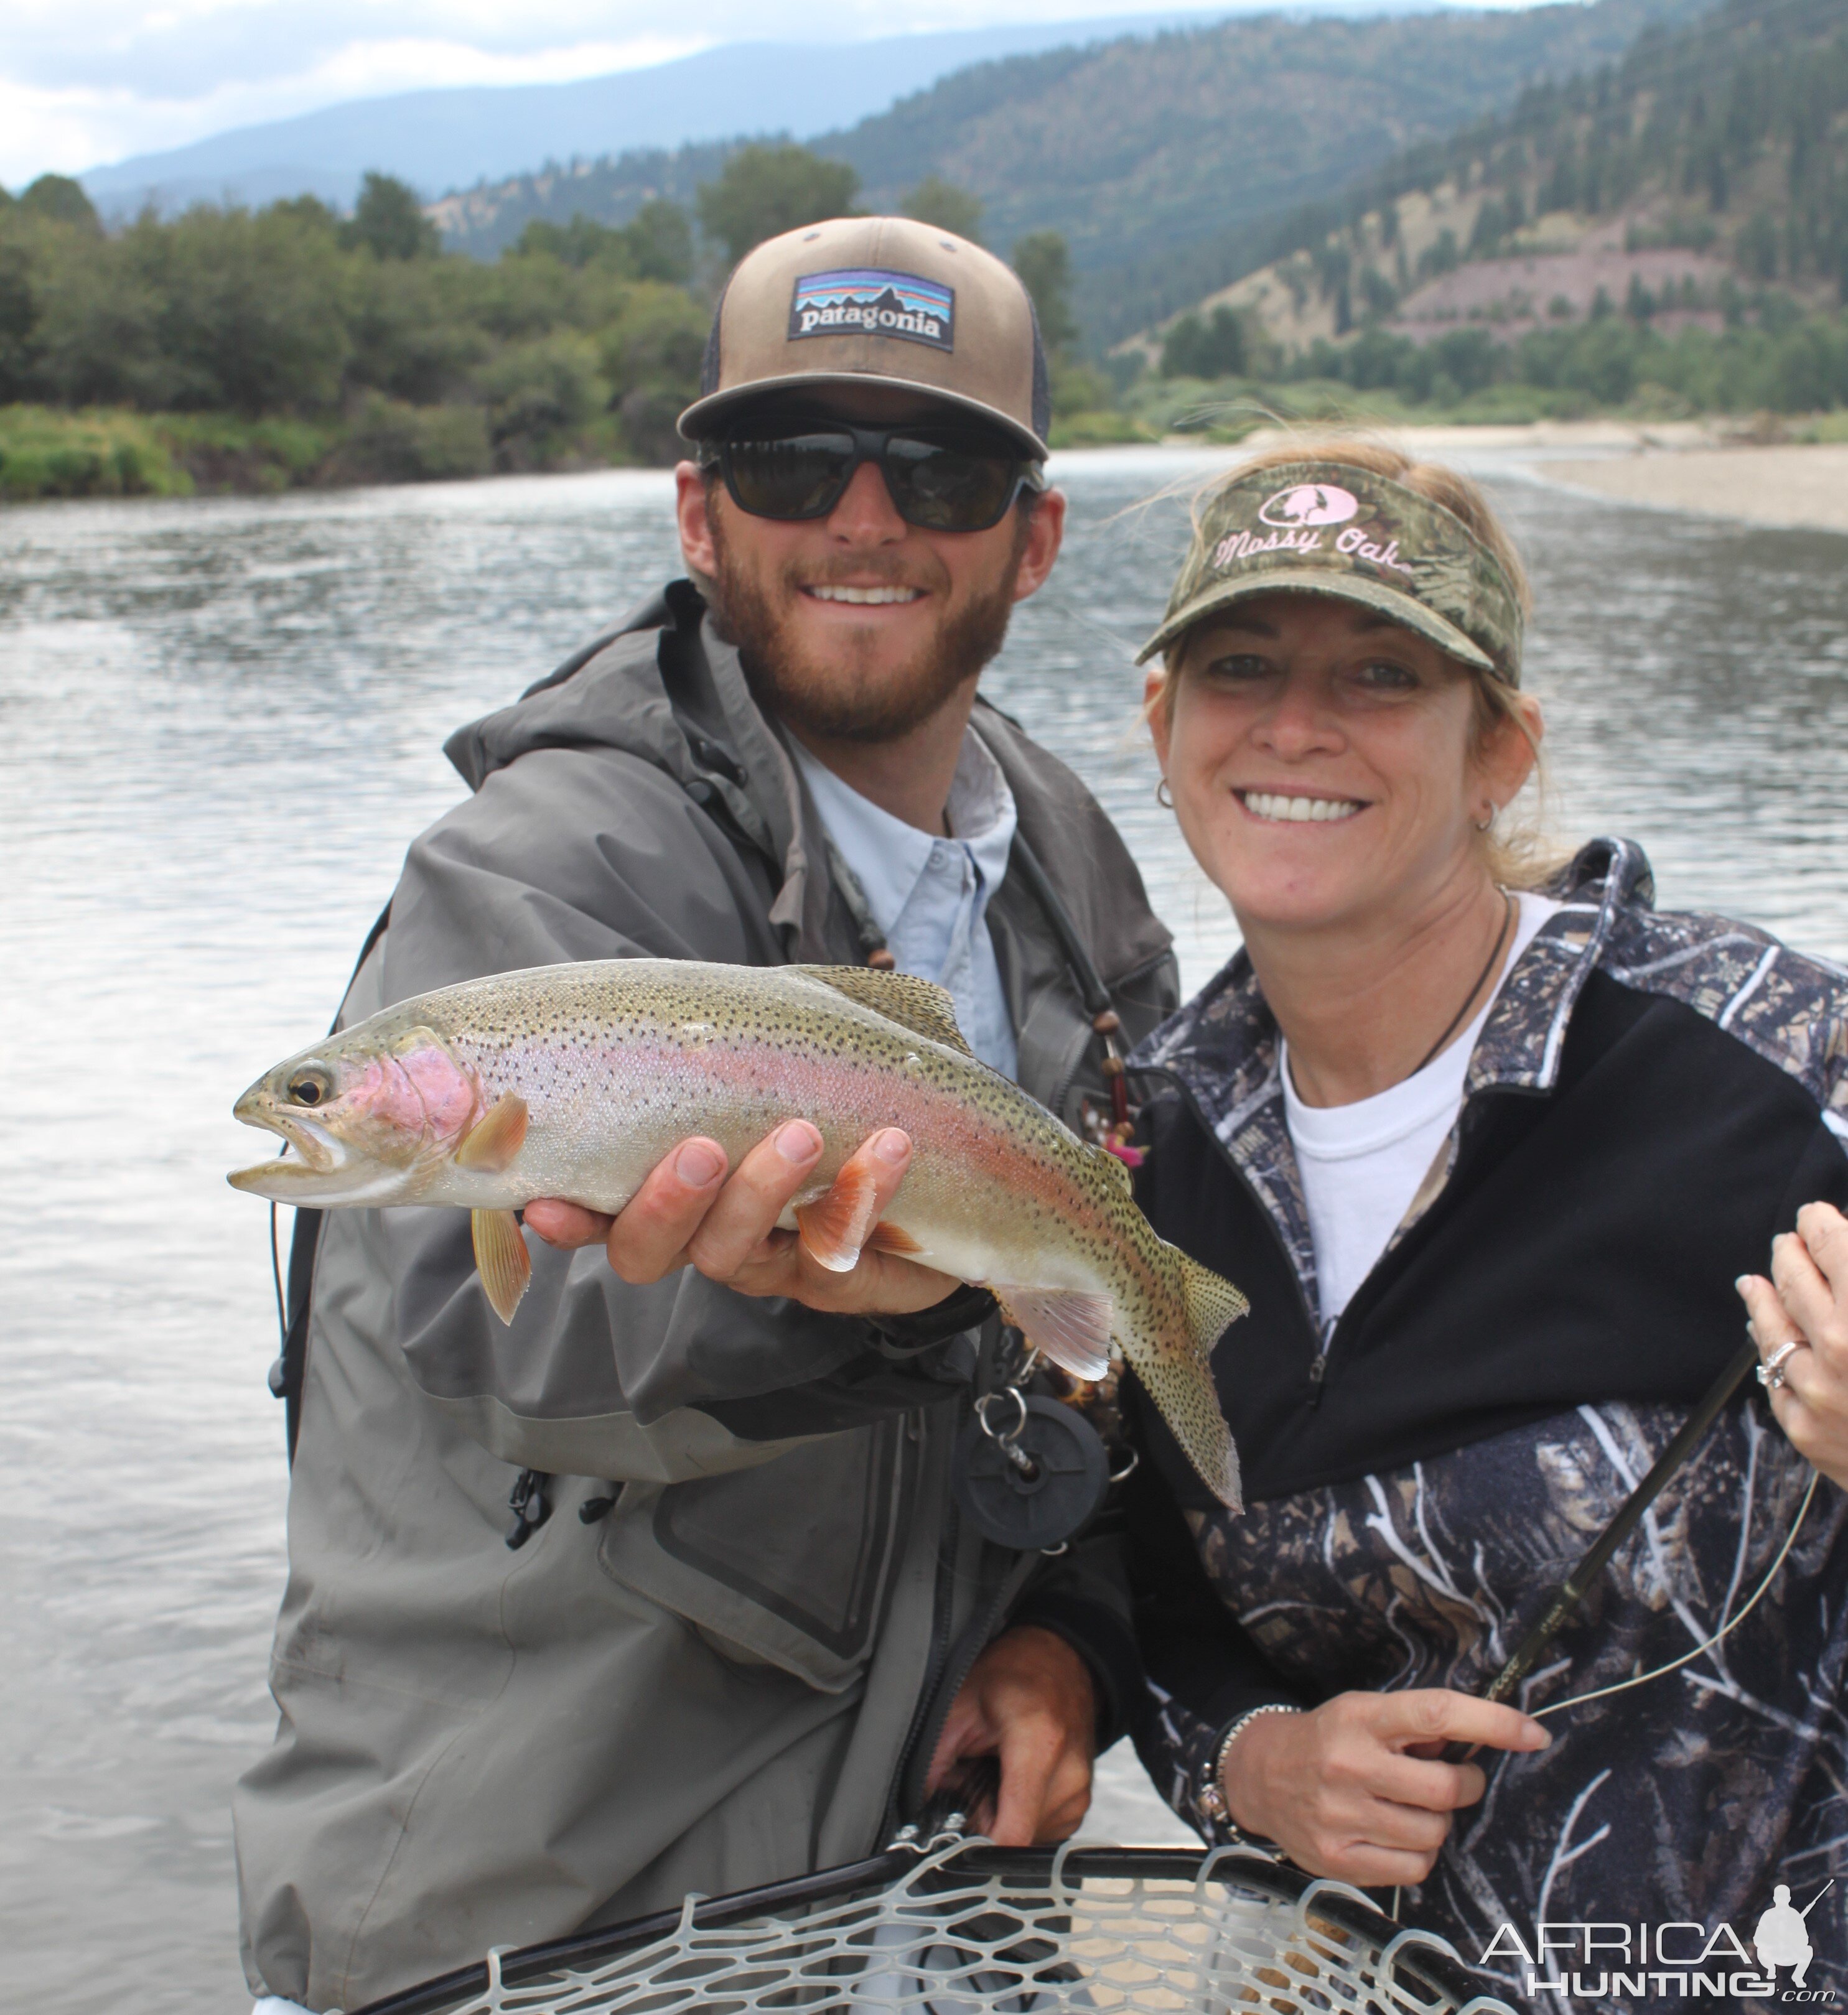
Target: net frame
961 1928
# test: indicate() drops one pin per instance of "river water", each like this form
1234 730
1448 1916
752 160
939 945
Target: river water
222 724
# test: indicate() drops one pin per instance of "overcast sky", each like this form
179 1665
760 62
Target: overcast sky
83 82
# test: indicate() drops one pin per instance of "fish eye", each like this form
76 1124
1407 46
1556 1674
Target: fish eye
308 1087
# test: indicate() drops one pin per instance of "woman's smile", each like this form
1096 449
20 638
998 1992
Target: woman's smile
1296 808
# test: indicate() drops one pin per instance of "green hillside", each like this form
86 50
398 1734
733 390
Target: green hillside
1150 154
1677 218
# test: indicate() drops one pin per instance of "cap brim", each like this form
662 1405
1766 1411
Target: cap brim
1402 608
695 424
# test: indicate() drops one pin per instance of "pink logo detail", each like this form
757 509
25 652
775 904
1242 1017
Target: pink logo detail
1308 504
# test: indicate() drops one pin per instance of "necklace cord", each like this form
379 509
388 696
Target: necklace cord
1456 1021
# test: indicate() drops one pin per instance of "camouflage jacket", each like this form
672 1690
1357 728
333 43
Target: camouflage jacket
1653 1095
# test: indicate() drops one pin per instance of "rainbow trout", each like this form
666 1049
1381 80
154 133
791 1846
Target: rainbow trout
573 1081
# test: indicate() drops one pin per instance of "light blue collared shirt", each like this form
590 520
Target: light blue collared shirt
930 896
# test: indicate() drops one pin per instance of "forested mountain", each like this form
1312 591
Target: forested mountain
1153 155
444 138
1707 165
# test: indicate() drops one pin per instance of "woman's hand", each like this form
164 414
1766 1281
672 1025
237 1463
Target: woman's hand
1353 1790
687 1213
1806 1302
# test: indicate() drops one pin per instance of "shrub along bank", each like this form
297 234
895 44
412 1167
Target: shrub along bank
233 349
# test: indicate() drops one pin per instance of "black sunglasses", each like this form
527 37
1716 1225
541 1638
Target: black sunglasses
939 478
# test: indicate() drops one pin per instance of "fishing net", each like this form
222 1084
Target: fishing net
968 1929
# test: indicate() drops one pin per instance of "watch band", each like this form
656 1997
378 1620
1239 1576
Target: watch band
1211 1797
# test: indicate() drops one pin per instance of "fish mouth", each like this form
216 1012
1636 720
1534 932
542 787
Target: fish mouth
321 1153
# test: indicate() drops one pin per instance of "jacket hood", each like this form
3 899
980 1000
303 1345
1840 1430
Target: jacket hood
601 697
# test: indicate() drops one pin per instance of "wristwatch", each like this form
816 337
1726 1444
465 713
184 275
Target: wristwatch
1211 1797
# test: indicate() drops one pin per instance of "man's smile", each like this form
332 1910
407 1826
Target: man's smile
863 596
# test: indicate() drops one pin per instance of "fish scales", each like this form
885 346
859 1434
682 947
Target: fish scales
574 1081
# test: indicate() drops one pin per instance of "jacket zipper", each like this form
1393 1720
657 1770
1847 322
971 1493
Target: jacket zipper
943 1601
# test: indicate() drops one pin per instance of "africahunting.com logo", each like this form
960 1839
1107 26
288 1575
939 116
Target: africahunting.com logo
1630 1963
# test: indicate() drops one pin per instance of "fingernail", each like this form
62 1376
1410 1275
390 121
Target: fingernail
1742 1283
1545 1735
798 1142
893 1145
696 1164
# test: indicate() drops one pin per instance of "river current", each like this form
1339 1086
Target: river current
221 725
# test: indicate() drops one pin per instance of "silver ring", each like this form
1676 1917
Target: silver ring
981 1410
1771 1374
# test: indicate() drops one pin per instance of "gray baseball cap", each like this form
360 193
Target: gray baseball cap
876 300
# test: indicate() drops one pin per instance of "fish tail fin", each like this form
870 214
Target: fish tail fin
1179 1376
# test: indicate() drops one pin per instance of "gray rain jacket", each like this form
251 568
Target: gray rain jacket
736 1674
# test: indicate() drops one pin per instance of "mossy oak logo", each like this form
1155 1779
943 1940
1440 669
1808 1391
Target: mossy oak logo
1300 519
1308 504
866 300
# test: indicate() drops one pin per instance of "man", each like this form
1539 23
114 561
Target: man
736 1628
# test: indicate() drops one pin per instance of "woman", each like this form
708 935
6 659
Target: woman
1486 1150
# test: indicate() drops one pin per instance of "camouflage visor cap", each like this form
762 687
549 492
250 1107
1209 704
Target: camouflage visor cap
1324 528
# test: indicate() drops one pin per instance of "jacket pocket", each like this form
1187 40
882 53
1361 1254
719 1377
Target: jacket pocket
790 1563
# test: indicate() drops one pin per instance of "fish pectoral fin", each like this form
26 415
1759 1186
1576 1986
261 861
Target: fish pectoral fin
920 1005
1213 1305
1070 1327
491 1143
885 1238
501 1259
837 1224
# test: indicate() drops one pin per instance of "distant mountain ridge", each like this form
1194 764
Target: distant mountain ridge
1159 156
449 138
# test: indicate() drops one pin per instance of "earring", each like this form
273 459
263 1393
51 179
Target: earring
1163 796
1483 825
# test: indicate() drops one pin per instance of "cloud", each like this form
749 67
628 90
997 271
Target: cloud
117 79
86 82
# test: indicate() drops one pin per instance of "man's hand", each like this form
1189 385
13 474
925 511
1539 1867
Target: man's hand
1353 1790
687 1213
1806 1302
1028 1700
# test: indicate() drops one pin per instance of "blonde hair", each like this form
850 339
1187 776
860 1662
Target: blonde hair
1517 849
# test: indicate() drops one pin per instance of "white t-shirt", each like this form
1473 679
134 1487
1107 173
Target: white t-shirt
1362 1163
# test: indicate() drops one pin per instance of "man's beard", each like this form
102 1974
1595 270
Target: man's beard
852 696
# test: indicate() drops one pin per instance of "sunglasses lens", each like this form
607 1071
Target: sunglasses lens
946 485
800 476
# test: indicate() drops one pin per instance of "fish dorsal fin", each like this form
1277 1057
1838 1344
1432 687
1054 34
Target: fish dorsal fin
920 1005
1213 1305
1117 1168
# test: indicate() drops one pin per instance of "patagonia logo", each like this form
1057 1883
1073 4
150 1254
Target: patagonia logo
866 301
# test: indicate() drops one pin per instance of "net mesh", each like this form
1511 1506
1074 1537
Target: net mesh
1102 1930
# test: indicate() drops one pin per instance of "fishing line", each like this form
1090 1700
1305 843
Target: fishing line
275 1265
1725 1631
